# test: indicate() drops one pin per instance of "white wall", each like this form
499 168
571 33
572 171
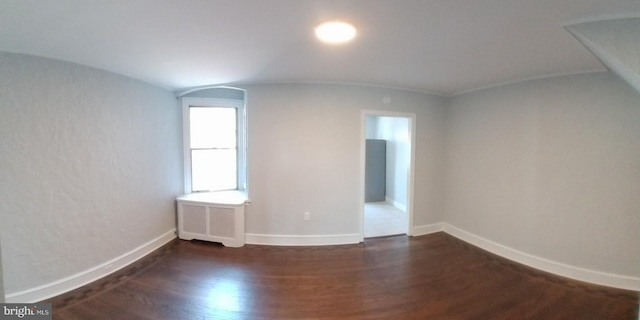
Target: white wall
91 164
1 275
304 149
551 168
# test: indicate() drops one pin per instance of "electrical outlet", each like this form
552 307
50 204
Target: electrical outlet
307 216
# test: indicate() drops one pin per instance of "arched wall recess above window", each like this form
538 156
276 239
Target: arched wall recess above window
220 92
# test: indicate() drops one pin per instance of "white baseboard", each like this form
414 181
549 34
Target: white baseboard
77 280
428 229
296 240
561 269
396 204
72 282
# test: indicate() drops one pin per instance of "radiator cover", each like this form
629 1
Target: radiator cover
213 216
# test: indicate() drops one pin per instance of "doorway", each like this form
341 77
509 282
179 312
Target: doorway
387 188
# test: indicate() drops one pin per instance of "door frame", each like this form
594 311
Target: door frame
410 179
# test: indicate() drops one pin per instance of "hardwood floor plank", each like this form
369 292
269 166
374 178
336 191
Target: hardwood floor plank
428 277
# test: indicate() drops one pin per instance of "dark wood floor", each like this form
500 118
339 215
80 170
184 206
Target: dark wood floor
428 277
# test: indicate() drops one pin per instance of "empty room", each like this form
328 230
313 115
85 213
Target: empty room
211 159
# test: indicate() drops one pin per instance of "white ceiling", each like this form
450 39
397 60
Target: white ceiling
438 46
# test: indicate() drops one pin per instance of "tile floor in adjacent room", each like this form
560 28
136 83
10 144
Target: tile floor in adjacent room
383 219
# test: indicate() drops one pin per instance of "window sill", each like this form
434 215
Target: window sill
230 197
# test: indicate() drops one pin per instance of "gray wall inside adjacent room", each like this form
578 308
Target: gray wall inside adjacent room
551 168
91 164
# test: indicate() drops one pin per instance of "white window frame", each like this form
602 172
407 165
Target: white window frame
239 105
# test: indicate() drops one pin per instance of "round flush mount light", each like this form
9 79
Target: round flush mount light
335 32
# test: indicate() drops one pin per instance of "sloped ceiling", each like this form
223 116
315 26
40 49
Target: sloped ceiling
438 46
616 43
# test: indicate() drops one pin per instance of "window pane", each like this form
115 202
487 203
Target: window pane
213 170
212 127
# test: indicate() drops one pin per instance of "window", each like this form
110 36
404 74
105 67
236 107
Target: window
214 142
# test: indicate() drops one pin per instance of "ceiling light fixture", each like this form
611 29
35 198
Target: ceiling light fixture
335 32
